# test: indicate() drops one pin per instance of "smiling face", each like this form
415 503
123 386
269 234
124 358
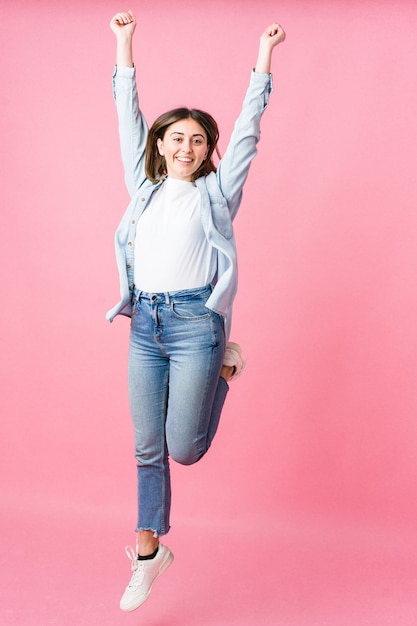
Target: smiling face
184 147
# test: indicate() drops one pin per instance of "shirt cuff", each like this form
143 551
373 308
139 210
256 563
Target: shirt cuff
262 79
124 72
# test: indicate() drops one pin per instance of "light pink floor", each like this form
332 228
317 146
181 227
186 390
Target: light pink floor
68 568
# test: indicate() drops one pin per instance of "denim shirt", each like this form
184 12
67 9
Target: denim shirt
221 192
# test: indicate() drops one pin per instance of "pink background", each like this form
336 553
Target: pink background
313 474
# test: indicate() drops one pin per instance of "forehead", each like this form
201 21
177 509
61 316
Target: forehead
187 126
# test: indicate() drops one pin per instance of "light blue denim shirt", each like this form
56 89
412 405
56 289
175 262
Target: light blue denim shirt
221 192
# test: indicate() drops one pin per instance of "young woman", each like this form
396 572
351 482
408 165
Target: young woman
178 277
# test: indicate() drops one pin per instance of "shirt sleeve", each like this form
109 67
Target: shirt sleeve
133 129
234 167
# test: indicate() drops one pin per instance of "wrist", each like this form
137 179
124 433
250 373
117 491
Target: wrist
124 39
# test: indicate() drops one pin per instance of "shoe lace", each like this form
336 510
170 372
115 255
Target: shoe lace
136 566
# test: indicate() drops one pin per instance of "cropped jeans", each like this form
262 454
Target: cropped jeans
176 393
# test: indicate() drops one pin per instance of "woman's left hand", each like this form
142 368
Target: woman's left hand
273 35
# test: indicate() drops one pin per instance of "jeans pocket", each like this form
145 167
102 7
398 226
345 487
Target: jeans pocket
135 307
191 310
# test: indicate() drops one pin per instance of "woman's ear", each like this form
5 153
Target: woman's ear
160 145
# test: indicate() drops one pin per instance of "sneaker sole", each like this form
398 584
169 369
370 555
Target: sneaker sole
164 566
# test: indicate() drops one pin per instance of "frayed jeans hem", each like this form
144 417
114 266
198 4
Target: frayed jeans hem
156 534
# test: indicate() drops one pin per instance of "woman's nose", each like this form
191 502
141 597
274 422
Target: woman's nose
186 145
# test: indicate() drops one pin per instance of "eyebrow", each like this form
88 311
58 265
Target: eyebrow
176 132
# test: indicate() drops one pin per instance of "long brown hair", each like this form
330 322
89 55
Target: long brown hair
155 165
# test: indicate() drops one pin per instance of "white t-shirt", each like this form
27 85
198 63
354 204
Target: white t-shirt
171 249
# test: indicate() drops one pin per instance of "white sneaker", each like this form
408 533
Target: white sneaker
233 358
144 575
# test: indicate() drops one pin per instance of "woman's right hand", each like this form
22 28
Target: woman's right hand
123 24
271 37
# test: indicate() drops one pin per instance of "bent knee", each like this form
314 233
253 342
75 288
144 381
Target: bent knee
186 457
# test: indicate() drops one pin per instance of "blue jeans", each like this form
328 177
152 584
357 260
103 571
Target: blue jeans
175 390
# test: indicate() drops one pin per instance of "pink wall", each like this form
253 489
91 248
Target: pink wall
324 420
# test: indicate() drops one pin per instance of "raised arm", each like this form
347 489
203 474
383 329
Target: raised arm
234 166
272 36
133 129
123 25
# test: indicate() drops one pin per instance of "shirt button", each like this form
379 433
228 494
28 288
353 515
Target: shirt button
142 199
133 221
129 243
128 267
